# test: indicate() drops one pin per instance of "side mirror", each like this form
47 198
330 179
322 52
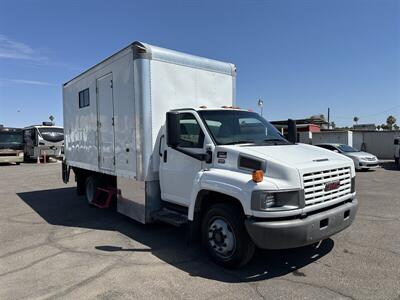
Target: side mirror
173 129
336 151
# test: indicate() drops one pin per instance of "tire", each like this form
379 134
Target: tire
18 163
225 237
91 184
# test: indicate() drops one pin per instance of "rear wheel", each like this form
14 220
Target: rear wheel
225 237
91 184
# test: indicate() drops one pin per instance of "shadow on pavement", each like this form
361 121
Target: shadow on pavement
62 207
390 166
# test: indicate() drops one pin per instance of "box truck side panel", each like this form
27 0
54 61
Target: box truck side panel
124 112
80 124
89 120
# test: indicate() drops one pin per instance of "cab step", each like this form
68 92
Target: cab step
171 217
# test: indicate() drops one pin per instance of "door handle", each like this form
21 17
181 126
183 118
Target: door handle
159 145
165 156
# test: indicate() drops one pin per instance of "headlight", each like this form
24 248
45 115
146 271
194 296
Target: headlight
272 201
21 154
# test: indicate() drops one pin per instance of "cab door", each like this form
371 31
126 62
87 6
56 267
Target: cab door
178 170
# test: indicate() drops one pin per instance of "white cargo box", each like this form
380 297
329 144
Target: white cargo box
113 112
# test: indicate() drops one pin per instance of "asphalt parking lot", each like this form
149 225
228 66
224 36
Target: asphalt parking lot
53 245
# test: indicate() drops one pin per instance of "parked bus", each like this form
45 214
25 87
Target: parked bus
11 145
43 140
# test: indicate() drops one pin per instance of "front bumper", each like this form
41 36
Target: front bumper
367 165
300 232
11 159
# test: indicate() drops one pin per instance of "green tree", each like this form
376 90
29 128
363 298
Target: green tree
356 119
384 127
390 121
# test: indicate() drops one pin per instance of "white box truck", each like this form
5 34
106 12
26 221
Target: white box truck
159 129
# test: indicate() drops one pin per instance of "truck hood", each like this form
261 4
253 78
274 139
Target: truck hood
286 164
299 155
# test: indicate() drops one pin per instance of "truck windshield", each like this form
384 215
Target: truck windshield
52 134
10 139
229 127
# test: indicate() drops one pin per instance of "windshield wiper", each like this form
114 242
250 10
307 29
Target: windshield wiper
284 142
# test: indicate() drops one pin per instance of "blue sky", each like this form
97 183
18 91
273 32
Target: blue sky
300 56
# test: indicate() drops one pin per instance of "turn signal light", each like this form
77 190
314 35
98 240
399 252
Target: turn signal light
258 175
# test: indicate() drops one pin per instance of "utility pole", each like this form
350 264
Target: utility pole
260 105
329 118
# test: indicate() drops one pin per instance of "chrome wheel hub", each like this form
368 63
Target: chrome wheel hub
221 237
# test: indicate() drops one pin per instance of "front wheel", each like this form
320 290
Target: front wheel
225 237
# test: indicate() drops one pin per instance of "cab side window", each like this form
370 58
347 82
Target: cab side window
191 134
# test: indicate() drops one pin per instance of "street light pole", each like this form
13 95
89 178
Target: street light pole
260 105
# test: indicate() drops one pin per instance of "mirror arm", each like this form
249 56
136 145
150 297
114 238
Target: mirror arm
199 156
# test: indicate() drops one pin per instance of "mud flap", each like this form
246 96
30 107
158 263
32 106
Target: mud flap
65 169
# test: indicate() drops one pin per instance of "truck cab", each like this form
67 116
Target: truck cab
245 185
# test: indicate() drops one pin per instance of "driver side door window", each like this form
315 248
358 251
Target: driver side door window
178 170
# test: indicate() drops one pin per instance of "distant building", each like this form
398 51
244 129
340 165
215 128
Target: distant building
313 124
364 127
305 128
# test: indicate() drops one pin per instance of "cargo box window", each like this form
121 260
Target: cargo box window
84 99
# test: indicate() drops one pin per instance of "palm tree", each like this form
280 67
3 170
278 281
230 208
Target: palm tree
355 119
390 121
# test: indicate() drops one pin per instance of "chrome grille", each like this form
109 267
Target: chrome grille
370 158
315 185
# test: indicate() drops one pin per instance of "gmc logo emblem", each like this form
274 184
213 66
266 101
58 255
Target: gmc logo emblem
332 186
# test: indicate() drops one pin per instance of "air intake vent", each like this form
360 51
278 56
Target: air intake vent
251 163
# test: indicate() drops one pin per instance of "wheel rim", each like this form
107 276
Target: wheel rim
90 190
221 237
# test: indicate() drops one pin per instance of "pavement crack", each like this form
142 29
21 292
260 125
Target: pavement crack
86 281
29 265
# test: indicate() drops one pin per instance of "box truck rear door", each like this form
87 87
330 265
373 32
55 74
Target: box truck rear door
105 116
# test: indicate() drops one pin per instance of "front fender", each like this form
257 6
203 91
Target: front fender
235 184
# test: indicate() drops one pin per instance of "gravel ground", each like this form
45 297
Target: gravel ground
53 245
